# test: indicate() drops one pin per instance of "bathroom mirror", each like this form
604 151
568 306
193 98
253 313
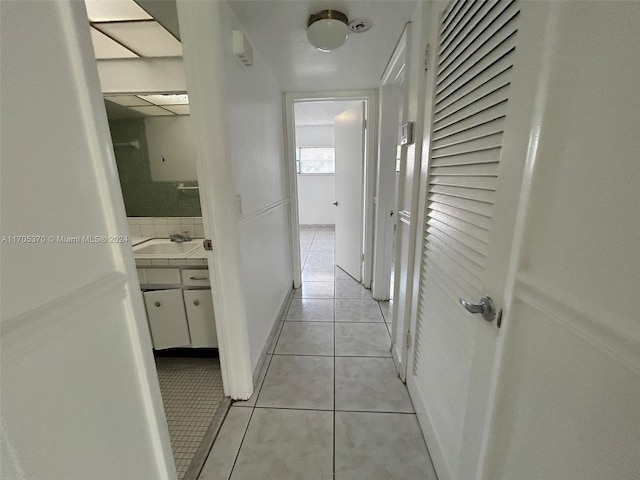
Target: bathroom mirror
155 153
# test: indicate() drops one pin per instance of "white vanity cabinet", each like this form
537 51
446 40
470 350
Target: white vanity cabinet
199 307
179 309
167 318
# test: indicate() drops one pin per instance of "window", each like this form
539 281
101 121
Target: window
310 160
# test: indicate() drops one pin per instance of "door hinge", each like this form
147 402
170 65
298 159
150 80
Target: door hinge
426 57
408 340
365 123
207 244
362 258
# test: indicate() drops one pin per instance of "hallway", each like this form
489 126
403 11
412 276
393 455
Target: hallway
328 402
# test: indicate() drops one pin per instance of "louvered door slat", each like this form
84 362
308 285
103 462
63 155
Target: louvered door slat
484 209
489 169
460 91
480 117
472 90
469 15
468 51
471 194
463 237
479 221
464 249
459 259
493 139
482 183
450 15
469 157
452 222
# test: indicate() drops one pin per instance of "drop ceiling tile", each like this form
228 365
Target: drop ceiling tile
148 39
179 109
152 110
167 99
114 10
127 100
104 47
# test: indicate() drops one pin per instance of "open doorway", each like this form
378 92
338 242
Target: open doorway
154 145
330 152
330 166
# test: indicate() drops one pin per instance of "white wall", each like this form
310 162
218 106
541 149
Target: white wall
80 395
255 116
316 193
171 147
239 130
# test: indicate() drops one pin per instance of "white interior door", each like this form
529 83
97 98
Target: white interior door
468 226
349 132
80 395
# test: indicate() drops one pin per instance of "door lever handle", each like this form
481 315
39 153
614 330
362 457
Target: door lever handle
335 203
486 308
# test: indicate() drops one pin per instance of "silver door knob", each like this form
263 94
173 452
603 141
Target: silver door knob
486 308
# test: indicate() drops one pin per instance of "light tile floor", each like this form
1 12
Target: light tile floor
328 403
191 392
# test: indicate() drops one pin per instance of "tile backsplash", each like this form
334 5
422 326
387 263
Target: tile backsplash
162 227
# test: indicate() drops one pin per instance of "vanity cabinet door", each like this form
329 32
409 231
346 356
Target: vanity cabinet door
199 306
167 319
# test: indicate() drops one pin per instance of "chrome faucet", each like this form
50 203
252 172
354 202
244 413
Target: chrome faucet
180 237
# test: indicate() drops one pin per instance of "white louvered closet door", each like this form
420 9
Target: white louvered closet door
474 72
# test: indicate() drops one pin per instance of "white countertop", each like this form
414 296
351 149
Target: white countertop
196 258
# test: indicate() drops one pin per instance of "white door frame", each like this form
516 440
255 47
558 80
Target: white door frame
386 174
203 50
370 98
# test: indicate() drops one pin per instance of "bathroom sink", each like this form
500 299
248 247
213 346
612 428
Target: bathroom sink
163 246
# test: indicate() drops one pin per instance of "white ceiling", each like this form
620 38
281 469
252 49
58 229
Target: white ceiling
319 113
277 30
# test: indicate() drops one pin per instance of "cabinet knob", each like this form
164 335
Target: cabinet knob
158 304
196 302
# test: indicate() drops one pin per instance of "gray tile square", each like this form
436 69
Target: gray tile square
370 385
319 261
306 338
362 339
342 275
351 289
298 382
315 290
286 444
353 310
380 446
225 449
310 310
318 275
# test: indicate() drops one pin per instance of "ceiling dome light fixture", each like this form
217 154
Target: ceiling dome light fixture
327 30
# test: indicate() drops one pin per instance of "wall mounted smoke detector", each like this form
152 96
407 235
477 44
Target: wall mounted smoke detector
360 26
327 30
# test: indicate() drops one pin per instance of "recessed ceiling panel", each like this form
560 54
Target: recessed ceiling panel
179 109
104 47
148 39
114 10
127 100
167 99
152 110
